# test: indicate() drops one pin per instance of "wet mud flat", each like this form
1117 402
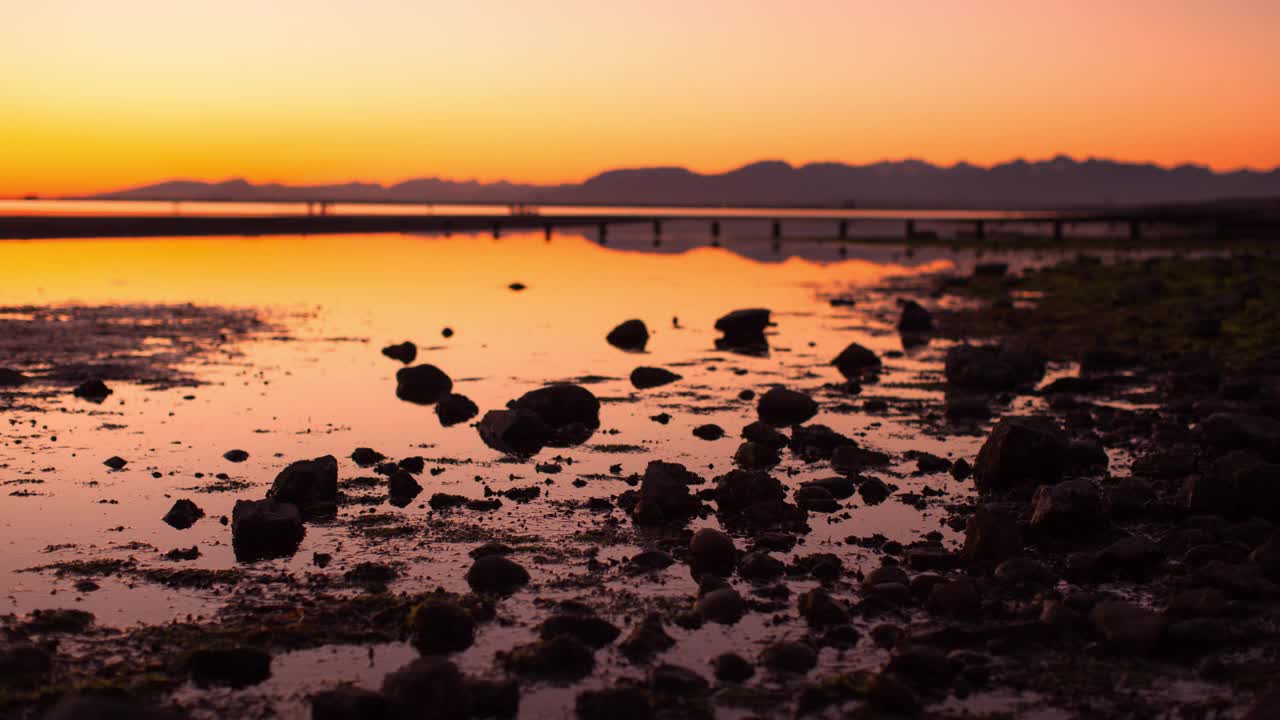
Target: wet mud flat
984 494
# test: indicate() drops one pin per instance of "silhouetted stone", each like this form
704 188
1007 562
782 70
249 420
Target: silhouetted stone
1224 432
428 687
664 495
816 442
235 456
586 628
496 575
762 433
914 318
646 639
631 335
851 459
572 412
454 408
1020 452
754 456
183 514
402 488
312 485
1127 629
92 390
709 431
781 407
348 702
561 657
422 384
493 698
712 551
743 328
732 668
616 703
723 605
737 490
441 626
789 656
759 565
856 361
238 667
406 352
10 378
115 462
1071 506
643 378
819 609
840 488
107 707
677 681
516 432
366 457
263 529
1003 367
815 498
990 538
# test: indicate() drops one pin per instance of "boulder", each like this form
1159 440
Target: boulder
781 407
990 538
819 609
851 459
856 361
422 384
664 495
1127 629
743 328
643 378
262 529
496 575
586 628
1223 432
402 488
754 456
183 514
405 352
234 667
428 687
759 565
709 431
348 702
914 318
723 605
94 391
732 668
812 443
712 551
1029 451
789 656
993 368
762 433
622 702
10 378
441 626
1069 507
677 681
631 335
646 639
571 412
515 432
455 408
312 485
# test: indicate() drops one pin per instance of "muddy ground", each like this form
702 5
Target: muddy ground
1055 497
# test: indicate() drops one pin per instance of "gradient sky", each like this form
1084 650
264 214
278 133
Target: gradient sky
97 94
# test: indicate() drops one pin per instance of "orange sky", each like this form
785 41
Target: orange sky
101 94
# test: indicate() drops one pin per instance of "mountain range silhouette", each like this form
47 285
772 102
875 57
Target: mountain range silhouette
1056 183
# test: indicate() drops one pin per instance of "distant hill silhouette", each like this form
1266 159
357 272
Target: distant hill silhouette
1060 182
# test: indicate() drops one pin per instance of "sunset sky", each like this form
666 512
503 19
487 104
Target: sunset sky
99 94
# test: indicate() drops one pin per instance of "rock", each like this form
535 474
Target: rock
990 270
1126 628
664 495
422 384
920 665
402 488
107 707
781 407
856 361
819 609
366 457
94 391
586 628
754 456
677 681
348 702
1071 506
515 432
455 408
840 488
493 698
183 514
10 378
1198 602
631 335
617 703
237 667
496 575
762 434
1024 571
570 412
441 626
406 352
24 661
914 318
643 378
428 687
992 368
562 658
873 490
790 657
961 469
724 606
1265 707
815 499
312 485
1267 556
712 551
235 456
1134 556
990 538
954 598
732 668
1238 484
851 459
743 328
759 565
115 462
262 529
646 639
1021 452
967 407
709 431
888 693
737 490
1223 432
816 442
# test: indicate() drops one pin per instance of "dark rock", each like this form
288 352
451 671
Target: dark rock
617 703
914 318
262 529
1004 367
447 501
815 499
888 693
781 407
990 538
428 687
493 698
25 661
763 434
856 361
10 378
183 514
496 575
115 462
455 408
737 490
236 456
1024 451
643 378
677 681
108 707
1223 432
422 384
631 335
709 431
406 352
712 551
920 665
954 598
441 626
1126 628
1265 707
664 495
1024 571
873 490
562 657
961 469
311 485
402 488
365 457
851 459
760 565
562 407
790 657
754 456
724 606
819 609
840 488
348 702
743 328
515 432
967 407
588 629
92 390
491 548
238 667
1070 506
732 668
413 464
928 463
816 442
646 639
